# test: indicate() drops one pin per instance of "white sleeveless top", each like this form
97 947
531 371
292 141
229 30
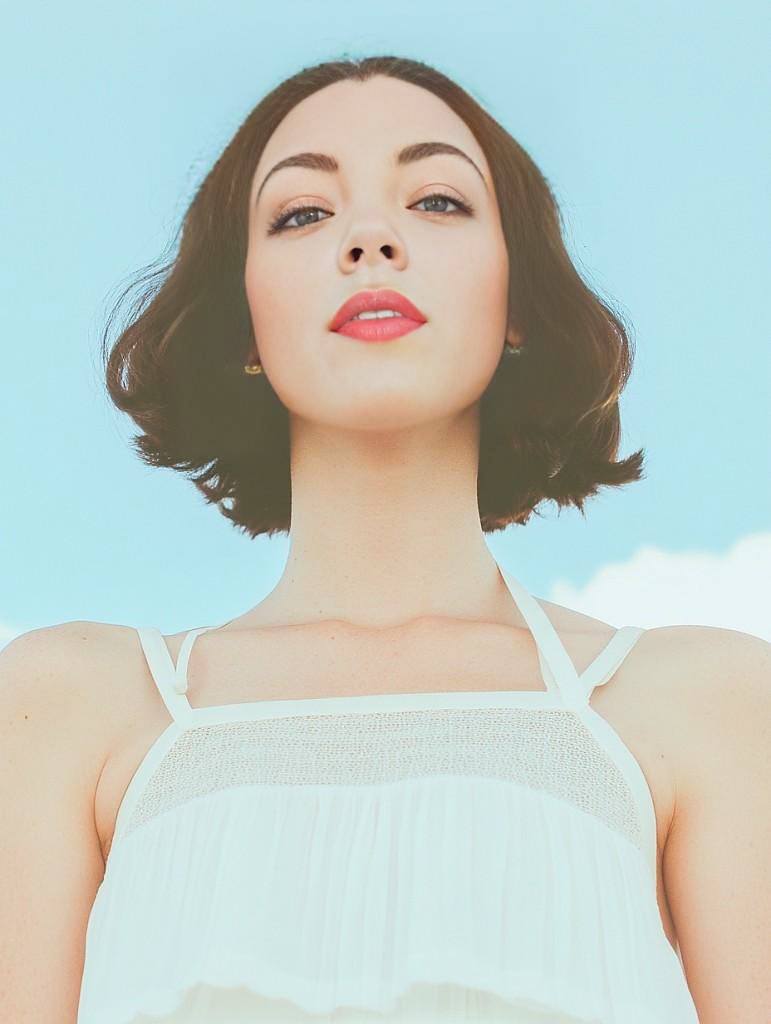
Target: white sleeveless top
407 857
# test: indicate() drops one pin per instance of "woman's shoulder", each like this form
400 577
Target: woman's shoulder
689 647
66 658
75 671
692 669
698 679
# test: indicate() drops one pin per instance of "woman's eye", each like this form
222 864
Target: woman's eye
462 207
281 223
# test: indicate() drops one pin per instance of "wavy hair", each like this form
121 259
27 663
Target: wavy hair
549 418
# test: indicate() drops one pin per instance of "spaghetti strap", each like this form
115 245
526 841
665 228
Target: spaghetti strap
559 672
609 659
170 679
557 667
180 671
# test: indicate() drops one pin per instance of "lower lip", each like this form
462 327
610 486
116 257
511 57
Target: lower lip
379 330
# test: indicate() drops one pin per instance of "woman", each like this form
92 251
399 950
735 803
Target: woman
399 787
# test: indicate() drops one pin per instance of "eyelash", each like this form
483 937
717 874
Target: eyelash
277 226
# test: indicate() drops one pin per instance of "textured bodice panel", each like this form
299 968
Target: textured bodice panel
546 750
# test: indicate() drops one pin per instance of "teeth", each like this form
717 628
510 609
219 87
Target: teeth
377 314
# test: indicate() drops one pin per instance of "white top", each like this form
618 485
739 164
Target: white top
404 856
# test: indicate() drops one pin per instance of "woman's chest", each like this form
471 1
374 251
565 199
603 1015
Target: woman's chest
296 665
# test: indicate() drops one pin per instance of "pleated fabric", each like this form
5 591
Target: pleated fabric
404 857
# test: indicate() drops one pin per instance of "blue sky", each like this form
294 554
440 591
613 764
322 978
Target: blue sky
646 119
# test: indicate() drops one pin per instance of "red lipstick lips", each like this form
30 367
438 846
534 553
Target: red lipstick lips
377 329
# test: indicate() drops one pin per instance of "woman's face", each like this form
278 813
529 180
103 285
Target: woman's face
372 230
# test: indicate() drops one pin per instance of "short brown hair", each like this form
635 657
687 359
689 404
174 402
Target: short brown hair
549 419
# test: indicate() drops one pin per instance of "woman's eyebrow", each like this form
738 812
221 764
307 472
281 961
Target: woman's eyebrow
408 155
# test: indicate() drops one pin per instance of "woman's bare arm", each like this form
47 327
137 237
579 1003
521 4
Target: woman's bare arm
717 859
50 858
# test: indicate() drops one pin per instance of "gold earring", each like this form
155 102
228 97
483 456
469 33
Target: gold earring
513 350
253 368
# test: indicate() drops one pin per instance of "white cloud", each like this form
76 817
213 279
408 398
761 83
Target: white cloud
665 588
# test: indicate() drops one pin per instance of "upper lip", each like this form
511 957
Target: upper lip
383 298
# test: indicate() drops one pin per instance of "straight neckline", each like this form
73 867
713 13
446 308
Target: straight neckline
366 703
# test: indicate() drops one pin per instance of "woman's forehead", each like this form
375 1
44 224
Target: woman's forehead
381 115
